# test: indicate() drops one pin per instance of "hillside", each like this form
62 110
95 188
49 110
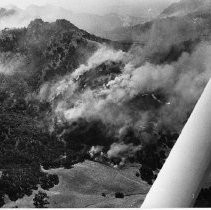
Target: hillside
166 38
185 7
56 48
143 32
40 65
71 101
30 57
90 185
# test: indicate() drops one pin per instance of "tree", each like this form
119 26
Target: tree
147 174
40 200
119 195
1 199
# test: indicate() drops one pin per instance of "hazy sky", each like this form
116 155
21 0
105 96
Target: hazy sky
93 6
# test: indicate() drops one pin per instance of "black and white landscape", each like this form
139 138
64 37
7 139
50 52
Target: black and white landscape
93 96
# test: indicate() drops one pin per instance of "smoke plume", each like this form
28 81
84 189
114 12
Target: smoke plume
134 97
119 102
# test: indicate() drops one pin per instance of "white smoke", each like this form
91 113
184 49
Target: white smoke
22 17
10 64
103 54
66 87
122 150
95 150
182 81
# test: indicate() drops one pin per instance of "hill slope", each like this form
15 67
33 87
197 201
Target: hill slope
185 7
84 185
29 57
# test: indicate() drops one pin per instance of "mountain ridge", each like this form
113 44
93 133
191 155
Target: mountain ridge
184 7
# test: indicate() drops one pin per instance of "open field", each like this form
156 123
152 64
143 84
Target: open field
83 186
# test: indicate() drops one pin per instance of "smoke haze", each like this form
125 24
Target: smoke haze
86 14
94 7
141 93
180 84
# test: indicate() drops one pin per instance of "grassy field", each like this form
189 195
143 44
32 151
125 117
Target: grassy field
83 185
